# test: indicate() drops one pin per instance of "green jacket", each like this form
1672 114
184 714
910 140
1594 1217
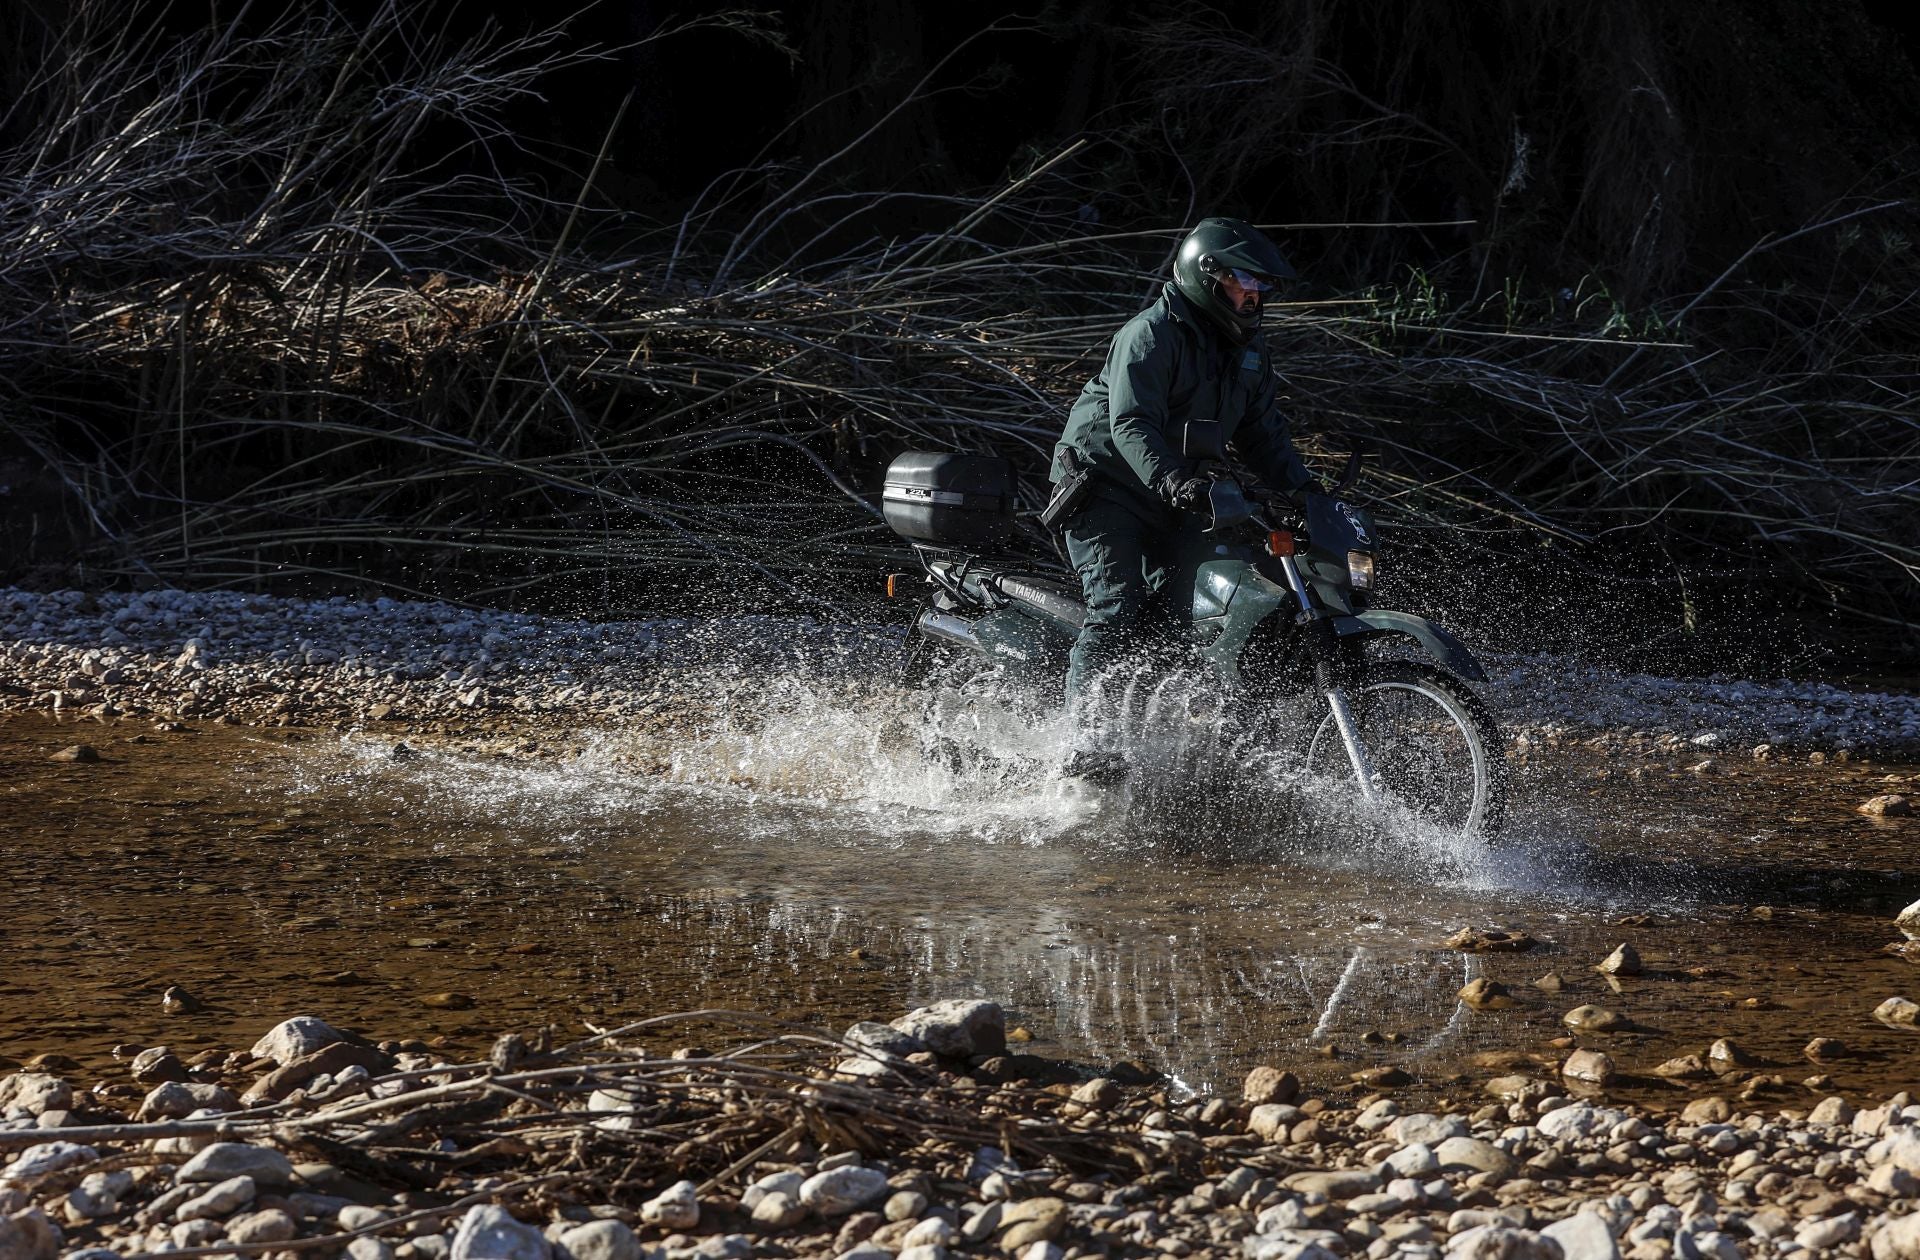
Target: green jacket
1166 366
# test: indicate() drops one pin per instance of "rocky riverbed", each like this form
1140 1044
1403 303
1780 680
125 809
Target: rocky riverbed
189 859
927 1137
261 660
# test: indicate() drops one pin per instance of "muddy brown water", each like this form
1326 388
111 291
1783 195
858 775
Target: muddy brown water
805 874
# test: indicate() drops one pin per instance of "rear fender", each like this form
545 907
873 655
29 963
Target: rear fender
1438 642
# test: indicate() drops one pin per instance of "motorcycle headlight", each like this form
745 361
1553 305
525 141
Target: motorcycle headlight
1360 570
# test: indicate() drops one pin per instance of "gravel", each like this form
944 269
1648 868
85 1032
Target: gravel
1578 1178
341 662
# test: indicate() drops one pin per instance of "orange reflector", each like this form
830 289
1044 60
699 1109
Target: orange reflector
893 585
1280 543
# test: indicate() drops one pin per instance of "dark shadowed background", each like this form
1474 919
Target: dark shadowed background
627 305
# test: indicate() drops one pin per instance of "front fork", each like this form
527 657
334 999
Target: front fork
1323 646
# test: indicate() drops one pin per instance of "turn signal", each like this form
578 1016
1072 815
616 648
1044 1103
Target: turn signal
1280 543
893 585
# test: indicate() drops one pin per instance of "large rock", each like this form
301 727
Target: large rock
269 1225
1426 1127
295 1038
1898 1239
839 1191
197 1233
98 1195
1898 1011
934 1231
1908 921
1713 1109
676 1207
787 1182
1272 1121
1516 1087
1589 1066
217 1200
1583 1236
1483 994
222 1160
778 1209
1833 1111
1032 1220
156 1066
1476 1155
959 1028
1820 1236
1592 1018
600 1240
1900 1149
35 1093
488 1232
1270 1085
1895 1183
1489 940
1337 1184
1709 1244
1290 1247
1415 1159
174 1100
1578 1120
1726 1054
1623 961
1872 1122
328 1060
29 1235
46 1157
1502 1242
1280 1218
883 1039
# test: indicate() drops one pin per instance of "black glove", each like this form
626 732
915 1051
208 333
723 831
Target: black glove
1189 494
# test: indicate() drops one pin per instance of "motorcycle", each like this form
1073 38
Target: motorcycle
1277 613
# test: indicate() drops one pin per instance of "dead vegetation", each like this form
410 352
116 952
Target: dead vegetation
269 313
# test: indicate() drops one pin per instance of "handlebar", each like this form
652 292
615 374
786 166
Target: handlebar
1230 506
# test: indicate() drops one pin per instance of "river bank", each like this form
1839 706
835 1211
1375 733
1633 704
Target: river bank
438 668
934 1135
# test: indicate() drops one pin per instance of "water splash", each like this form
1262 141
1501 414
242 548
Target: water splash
1223 898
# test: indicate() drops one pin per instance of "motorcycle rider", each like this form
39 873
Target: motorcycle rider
1196 354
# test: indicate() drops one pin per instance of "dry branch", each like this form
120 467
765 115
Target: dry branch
258 326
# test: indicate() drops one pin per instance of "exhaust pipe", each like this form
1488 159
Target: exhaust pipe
944 625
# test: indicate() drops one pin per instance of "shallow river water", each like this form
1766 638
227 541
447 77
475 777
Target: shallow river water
802 867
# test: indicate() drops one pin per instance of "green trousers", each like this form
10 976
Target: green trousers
1123 562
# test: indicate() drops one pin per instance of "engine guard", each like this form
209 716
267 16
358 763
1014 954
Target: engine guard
1439 643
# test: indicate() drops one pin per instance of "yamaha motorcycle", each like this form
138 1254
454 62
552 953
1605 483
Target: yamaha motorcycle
1278 614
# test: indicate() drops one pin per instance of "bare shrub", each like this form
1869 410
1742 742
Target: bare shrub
270 312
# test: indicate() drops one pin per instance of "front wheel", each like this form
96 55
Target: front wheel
1435 747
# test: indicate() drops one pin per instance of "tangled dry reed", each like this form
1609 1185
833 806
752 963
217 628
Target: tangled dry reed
606 1115
270 313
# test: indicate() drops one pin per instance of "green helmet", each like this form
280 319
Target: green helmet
1217 247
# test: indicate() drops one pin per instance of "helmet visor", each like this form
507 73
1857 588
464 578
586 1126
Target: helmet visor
1251 281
